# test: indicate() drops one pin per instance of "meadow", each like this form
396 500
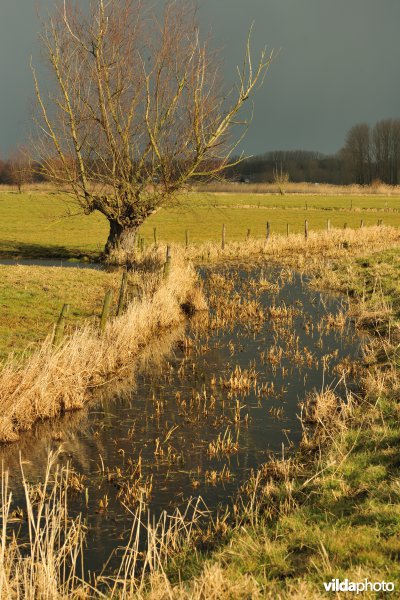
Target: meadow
42 224
45 224
32 297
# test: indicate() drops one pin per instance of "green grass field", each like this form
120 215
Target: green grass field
31 299
47 225
40 225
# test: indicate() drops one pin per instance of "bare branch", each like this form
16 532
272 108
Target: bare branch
138 108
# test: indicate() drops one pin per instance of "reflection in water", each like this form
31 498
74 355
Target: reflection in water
51 262
197 422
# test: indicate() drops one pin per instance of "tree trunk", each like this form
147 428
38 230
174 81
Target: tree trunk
120 238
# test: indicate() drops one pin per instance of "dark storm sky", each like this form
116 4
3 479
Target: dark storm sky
338 65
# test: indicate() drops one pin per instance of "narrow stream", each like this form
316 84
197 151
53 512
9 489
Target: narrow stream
52 262
217 405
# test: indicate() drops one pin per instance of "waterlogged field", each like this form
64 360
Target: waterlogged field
201 419
48 225
273 364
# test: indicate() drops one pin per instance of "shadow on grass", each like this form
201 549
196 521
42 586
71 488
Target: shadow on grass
16 250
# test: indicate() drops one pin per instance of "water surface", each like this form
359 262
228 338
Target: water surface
50 262
179 407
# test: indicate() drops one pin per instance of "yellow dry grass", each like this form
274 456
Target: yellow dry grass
54 380
295 249
300 188
55 542
303 187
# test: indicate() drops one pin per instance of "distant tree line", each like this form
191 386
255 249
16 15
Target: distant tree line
369 154
300 165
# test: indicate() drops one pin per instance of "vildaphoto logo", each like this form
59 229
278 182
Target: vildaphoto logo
335 585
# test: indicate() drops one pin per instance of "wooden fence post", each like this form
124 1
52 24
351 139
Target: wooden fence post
248 234
187 238
155 234
106 310
122 294
167 264
306 229
328 224
268 230
361 224
60 325
287 229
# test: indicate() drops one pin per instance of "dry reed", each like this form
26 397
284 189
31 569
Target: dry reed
294 249
376 188
326 189
48 564
54 380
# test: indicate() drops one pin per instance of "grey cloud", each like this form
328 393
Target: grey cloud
337 65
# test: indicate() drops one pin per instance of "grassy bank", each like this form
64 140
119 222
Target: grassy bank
336 517
373 279
48 225
31 297
304 254
54 379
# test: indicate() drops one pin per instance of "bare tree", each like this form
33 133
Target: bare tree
386 148
357 152
137 109
281 178
19 168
